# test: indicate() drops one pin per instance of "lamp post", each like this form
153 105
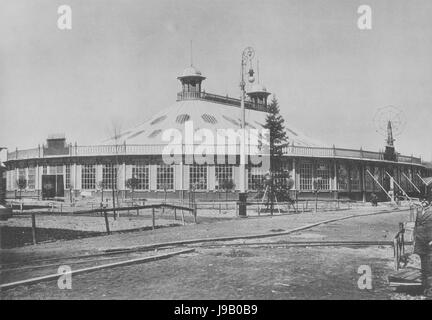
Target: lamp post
268 180
247 56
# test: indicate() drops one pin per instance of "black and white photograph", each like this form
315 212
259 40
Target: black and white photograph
215 155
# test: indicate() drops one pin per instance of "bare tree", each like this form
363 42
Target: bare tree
227 185
102 185
115 132
21 184
71 192
132 184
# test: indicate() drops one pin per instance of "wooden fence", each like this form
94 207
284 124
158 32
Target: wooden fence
104 213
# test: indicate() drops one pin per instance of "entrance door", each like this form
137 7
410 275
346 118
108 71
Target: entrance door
48 186
52 186
59 186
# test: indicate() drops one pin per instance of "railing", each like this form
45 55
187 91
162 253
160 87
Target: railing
376 155
219 99
308 151
25 154
402 158
157 149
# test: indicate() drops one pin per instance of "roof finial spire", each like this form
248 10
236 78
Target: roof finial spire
258 71
390 138
191 60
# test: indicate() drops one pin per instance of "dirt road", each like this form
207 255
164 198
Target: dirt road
237 272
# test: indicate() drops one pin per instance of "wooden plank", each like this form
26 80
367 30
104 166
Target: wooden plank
406 276
404 273
401 273
413 275
156 206
403 284
103 266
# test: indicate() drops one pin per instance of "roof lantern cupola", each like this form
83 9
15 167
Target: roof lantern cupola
191 79
257 92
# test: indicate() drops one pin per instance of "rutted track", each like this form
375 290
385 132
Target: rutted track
140 259
115 254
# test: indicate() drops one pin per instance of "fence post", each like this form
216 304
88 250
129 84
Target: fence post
175 214
183 219
396 254
153 218
33 218
195 213
106 222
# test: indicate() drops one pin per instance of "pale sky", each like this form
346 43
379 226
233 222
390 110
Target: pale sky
121 59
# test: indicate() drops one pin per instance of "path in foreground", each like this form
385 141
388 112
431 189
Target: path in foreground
241 272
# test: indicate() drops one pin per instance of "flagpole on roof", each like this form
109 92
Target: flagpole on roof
191 56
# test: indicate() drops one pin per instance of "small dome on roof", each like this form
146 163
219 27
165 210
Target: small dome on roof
191 72
257 87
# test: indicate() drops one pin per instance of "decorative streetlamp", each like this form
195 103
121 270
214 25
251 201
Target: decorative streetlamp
247 56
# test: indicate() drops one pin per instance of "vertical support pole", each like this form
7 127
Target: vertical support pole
363 180
106 222
183 219
335 179
33 218
294 177
195 213
153 218
316 201
242 153
396 253
175 214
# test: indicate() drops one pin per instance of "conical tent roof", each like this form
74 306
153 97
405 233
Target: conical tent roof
204 115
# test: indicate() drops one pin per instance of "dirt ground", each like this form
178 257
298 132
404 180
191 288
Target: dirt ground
234 272
227 273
